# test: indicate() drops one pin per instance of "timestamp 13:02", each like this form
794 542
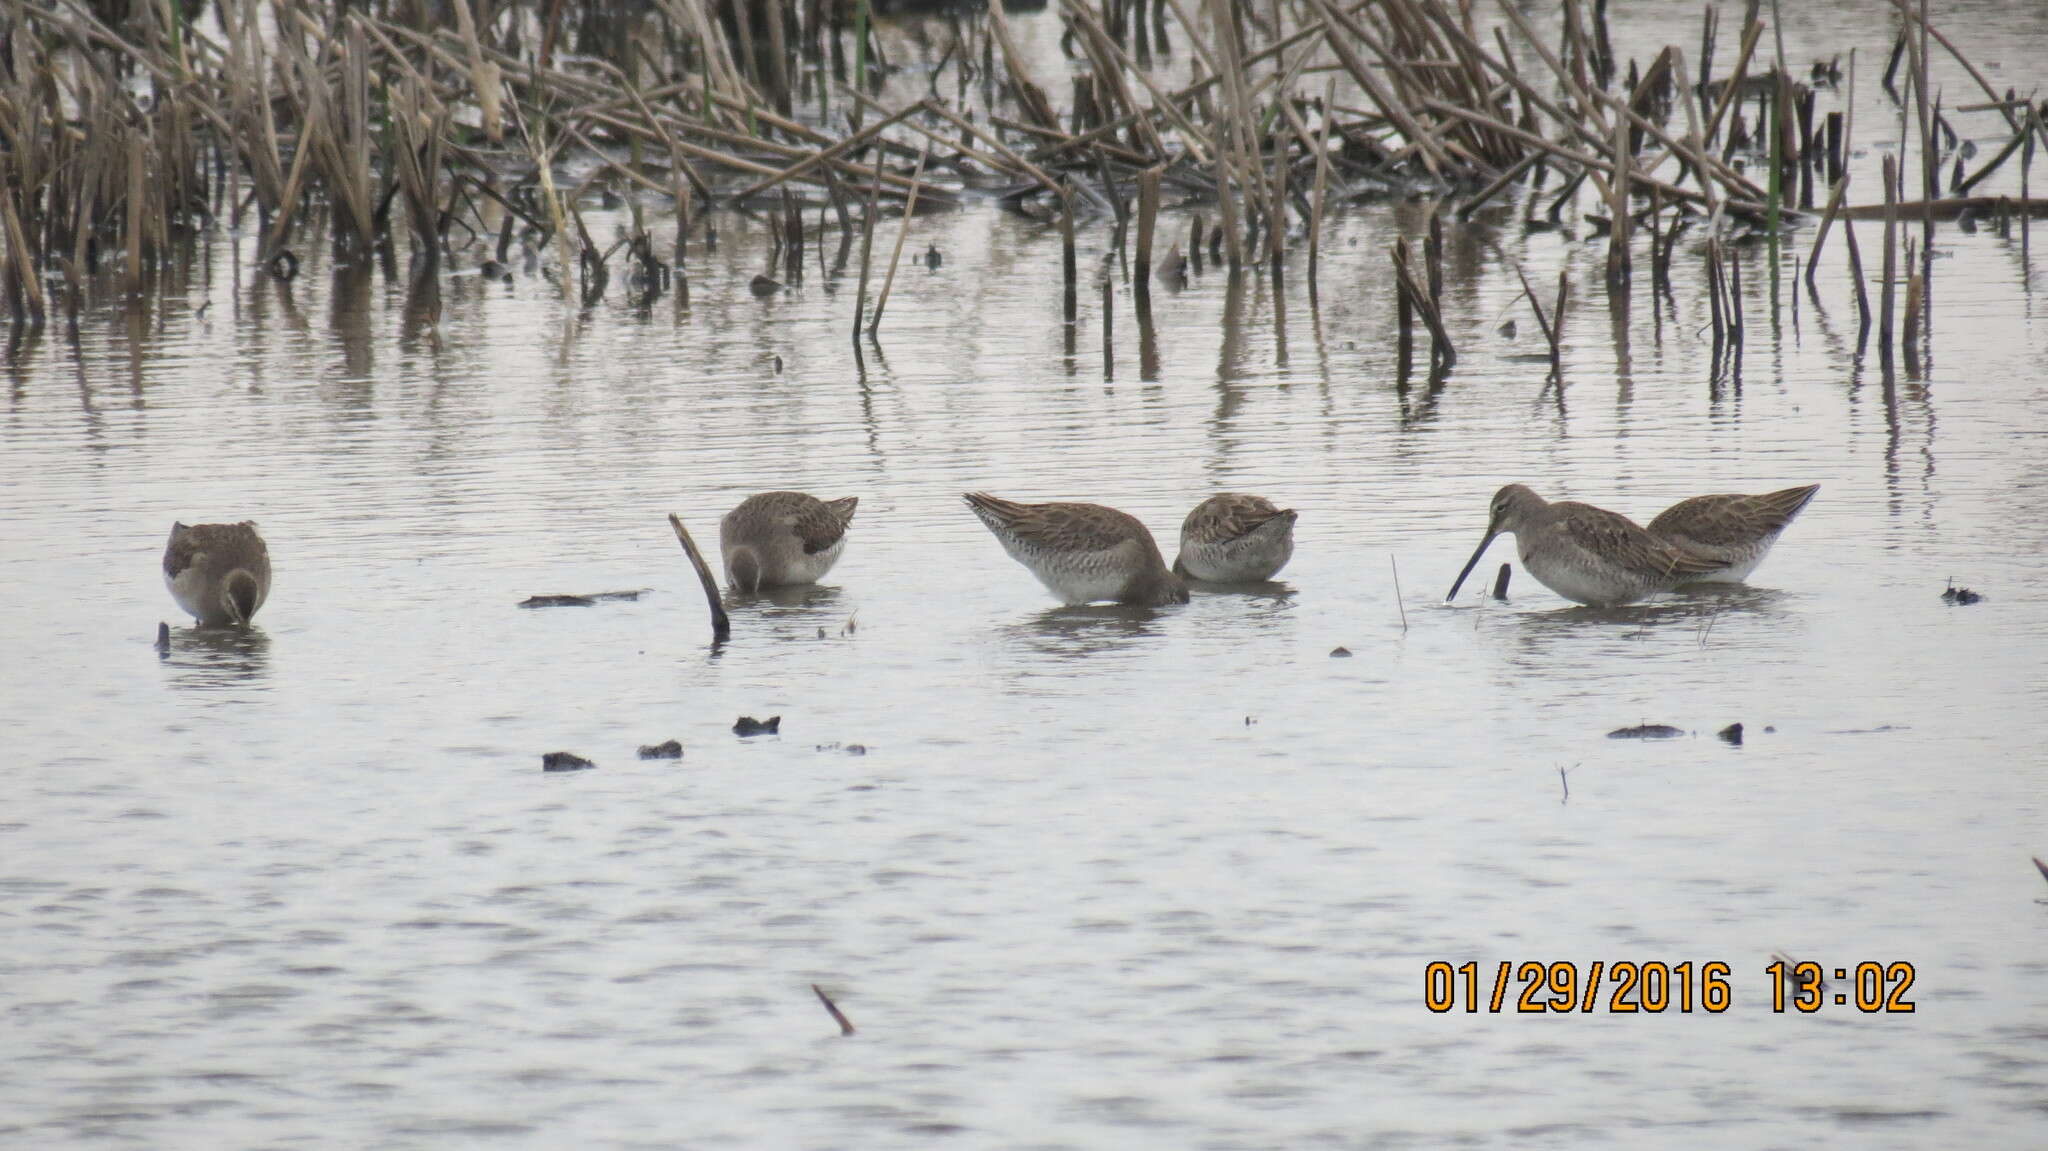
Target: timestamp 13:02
1626 987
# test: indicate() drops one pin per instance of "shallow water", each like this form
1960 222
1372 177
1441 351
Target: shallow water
1102 878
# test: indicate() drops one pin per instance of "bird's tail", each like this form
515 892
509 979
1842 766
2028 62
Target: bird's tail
240 593
743 567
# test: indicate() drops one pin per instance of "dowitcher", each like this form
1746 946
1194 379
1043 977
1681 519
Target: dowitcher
778 538
1737 530
1587 554
1233 538
218 573
1082 553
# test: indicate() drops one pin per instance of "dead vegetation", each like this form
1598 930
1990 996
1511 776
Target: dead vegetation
129 126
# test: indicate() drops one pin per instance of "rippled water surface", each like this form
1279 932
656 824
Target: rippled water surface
1102 878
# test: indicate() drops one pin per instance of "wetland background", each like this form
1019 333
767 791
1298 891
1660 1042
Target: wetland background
1102 878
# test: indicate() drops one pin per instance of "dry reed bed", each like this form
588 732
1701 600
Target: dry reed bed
127 126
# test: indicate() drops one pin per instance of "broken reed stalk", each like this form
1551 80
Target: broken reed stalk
1820 237
1909 332
1778 94
1735 327
896 254
22 281
1856 278
1108 325
1148 221
870 216
1442 356
1433 260
1885 287
134 213
1930 168
1399 602
721 624
1617 205
1478 199
1068 272
1550 333
1716 294
1557 330
1404 326
838 1016
1315 214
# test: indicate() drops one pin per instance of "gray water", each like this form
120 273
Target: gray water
1103 878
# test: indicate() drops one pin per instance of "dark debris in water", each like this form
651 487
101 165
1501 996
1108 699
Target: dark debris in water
1340 653
747 725
564 761
671 749
848 748
1731 734
579 600
1959 596
1646 731
763 286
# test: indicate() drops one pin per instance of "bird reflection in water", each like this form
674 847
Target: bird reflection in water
808 596
1704 615
218 658
1086 630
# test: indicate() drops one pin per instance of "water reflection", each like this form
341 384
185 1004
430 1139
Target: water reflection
808 597
1699 607
217 658
1263 594
1078 632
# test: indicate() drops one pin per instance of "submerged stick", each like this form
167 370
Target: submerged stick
838 1016
721 624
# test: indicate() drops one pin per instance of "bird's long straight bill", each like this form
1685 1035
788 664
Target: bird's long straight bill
1469 565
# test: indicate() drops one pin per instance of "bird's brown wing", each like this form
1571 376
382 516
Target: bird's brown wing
1229 516
1734 519
820 525
1061 526
1619 539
